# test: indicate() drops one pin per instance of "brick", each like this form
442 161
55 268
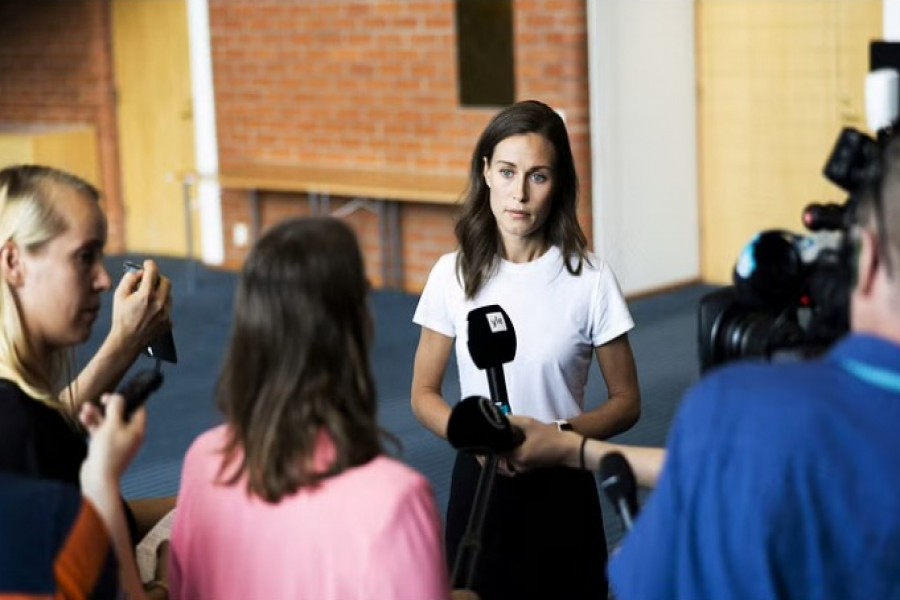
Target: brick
56 73
364 83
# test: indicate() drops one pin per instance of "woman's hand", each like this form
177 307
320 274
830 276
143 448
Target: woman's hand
545 445
504 466
142 307
114 441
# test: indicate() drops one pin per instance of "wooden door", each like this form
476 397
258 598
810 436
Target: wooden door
155 118
778 80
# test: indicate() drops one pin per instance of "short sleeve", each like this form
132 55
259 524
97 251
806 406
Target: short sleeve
432 311
86 561
610 316
407 560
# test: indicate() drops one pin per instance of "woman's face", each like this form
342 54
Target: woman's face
520 178
61 282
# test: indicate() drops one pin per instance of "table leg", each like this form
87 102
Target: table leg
255 217
395 243
187 185
386 255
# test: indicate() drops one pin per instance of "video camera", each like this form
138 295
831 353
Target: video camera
791 293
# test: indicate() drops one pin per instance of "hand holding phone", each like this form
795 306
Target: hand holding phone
138 388
163 347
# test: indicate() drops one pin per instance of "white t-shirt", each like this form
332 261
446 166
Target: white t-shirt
559 319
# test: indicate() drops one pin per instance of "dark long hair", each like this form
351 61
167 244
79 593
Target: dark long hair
298 362
476 228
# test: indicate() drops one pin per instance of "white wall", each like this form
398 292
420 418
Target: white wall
212 246
644 140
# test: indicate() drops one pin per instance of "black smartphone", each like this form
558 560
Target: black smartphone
138 388
163 347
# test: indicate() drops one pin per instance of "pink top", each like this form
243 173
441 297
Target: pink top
370 533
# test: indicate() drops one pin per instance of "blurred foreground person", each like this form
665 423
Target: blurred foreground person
782 481
57 542
293 496
52 237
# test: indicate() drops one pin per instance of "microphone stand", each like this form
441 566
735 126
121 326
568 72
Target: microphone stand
467 555
470 546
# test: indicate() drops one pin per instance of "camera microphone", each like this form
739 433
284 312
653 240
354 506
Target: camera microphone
477 426
618 483
492 342
882 106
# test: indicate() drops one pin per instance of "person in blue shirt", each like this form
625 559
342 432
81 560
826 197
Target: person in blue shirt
780 481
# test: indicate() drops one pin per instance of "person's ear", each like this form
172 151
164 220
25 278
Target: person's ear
11 264
866 260
486 170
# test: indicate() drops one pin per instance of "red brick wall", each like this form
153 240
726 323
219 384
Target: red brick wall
56 67
372 84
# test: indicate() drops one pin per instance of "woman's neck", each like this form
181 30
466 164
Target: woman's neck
524 250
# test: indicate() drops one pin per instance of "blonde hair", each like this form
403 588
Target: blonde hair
29 219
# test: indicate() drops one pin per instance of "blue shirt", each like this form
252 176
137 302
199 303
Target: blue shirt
49 545
781 481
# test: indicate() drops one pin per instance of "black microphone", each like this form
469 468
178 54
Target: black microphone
480 425
492 342
477 426
618 483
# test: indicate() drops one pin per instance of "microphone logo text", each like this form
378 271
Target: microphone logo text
496 322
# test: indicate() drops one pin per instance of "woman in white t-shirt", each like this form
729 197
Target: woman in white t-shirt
521 247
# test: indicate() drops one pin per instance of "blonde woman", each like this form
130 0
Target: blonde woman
52 236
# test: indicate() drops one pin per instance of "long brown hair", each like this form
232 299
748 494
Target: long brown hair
298 362
476 228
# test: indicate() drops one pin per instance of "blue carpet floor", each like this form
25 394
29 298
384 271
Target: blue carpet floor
664 343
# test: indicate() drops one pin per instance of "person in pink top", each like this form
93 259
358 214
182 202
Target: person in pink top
294 497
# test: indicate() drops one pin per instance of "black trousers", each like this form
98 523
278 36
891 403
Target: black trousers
543 535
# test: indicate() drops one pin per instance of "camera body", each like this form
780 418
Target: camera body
790 293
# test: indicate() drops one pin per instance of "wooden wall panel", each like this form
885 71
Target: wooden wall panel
778 79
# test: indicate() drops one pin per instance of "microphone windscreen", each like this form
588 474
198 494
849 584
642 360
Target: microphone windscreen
769 271
477 426
890 16
882 95
617 480
492 338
